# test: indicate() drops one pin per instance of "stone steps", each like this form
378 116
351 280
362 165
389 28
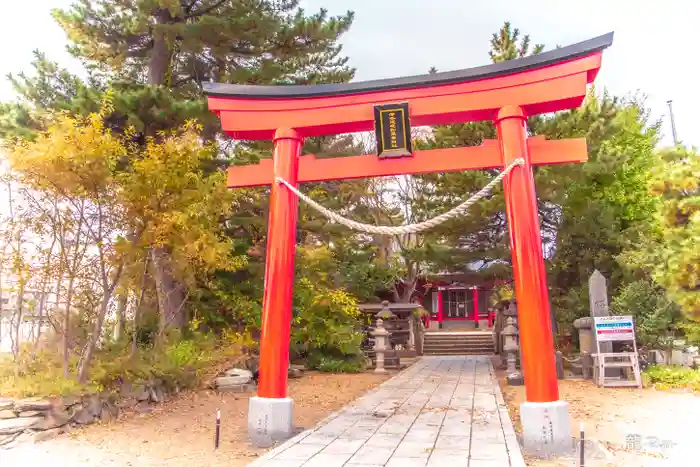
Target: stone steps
456 343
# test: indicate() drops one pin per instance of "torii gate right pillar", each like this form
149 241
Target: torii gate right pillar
543 413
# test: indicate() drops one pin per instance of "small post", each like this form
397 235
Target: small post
411 332
217 436
582 461
475 299
381 339
586 365
559 358
440 310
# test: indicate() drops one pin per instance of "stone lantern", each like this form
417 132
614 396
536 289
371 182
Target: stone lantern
381 344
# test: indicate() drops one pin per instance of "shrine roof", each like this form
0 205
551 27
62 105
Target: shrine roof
505 68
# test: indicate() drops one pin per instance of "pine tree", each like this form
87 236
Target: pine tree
505 45
154 55
589 213
479 240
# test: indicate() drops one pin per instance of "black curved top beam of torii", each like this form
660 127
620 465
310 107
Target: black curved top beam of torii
508 67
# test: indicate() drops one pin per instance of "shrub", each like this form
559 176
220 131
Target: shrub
336 363
177 362
40 374
666 377
655 316
326 321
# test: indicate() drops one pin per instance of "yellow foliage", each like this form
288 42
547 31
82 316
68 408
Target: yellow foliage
167 192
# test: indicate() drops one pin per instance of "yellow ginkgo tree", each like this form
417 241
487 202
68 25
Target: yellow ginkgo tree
125 200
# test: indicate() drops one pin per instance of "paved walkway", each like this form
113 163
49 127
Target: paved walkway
442 411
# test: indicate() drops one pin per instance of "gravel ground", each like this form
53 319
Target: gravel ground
180 433
628 427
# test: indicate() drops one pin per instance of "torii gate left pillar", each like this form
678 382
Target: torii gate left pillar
506 93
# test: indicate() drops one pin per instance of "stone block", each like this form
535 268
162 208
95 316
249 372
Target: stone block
489 436
156 394
456 429
328 460
15 425
516 379
487 451
83 416
54 419
6 404
384 440
409 448
109 412
391 428
283 463
358 432
300 451
47 434
140 393
451 460
7 439
319 438
487 463
69 401
422 435
32 404
407 462
344 446
127 403
452 444
546 429
371 455
269 420
5 414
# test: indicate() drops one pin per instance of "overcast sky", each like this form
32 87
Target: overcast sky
654 50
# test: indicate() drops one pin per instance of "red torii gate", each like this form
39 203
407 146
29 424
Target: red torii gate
506 93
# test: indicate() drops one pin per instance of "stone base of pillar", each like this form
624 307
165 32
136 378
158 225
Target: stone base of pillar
546 428
269 421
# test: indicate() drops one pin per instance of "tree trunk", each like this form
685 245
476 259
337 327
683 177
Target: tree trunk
121 316
137 309
20 318
160 58
171 294
40 317
170 291
66 325
59 283
92 342
108 290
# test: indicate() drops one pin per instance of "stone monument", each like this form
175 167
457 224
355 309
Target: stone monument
598 300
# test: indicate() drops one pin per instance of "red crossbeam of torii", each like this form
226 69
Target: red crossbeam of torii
485 156
506 92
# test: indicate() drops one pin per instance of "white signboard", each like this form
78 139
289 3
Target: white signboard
614 328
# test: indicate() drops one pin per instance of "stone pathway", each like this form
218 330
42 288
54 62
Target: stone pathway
442 411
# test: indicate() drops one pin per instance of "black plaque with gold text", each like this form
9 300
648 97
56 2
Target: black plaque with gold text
393 130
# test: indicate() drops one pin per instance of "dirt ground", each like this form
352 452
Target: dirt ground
180 433
627 427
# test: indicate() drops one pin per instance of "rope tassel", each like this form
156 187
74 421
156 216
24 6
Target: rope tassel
410 228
